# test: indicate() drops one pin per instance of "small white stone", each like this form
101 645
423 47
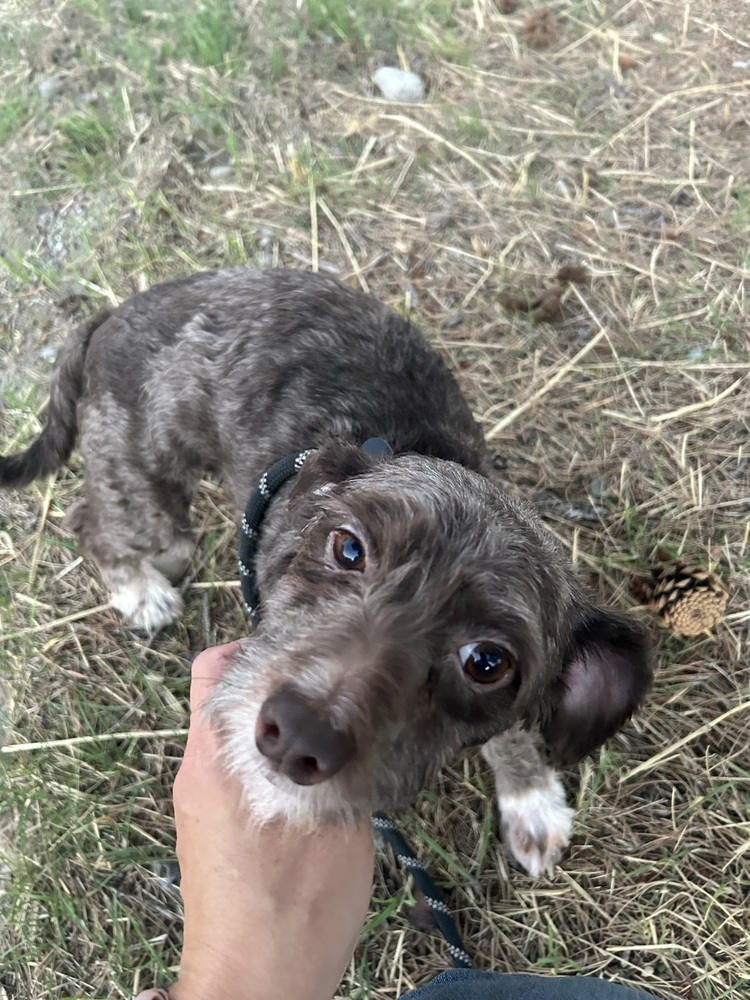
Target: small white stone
49 86
221 172
266 238
698 353
399 85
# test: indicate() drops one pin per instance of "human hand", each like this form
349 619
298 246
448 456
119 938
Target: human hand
270 912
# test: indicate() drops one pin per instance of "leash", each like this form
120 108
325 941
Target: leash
269 483
432 896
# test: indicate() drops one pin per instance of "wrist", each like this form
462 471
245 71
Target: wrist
258 972
223 969
208 980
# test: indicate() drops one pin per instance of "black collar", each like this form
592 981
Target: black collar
269 483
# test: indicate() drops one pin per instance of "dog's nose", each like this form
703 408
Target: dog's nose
303 745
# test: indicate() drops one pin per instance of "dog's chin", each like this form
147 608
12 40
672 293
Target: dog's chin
271 797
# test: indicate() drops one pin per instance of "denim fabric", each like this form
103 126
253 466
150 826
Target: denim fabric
470 984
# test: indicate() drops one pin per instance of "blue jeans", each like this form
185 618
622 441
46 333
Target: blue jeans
470 984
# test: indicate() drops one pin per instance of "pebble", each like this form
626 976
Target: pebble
221 172
266 238
697 353
399 85
49 86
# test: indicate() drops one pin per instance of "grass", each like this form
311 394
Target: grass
519 160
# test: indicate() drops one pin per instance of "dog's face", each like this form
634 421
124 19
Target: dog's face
415 611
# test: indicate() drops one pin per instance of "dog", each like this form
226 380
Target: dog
410 608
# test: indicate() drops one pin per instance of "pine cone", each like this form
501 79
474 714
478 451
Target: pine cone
689 600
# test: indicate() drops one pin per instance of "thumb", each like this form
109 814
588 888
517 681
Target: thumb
207 668
202 746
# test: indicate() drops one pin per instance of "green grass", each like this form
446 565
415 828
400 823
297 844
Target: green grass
89 147
378 23
15 113
469 129
89 908
208 35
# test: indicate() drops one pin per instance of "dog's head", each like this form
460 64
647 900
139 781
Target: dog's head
413 610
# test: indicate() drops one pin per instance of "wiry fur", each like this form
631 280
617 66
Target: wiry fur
224 373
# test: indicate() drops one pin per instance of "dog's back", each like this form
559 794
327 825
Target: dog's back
231 369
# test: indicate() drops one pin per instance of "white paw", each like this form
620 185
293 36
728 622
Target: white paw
536 825
147 599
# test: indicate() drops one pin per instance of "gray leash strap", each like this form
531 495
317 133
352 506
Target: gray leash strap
406 858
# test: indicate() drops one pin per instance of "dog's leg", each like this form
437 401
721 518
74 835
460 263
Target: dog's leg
137 576
134 522
535 820
142 594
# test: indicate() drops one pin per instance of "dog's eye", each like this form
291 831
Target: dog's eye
487 663
348 551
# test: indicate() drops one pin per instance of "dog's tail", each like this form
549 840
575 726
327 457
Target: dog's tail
56 441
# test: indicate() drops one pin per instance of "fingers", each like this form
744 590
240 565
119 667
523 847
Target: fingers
208 667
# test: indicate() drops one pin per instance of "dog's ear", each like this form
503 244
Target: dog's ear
331 464
606 673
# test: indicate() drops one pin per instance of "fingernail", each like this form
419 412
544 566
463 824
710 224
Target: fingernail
155 994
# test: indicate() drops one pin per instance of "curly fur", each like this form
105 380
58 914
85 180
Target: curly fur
225 372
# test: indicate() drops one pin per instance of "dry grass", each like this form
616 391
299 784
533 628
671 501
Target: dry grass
192 136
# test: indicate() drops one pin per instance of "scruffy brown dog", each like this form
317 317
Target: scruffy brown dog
410 608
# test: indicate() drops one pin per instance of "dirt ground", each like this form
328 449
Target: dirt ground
144 141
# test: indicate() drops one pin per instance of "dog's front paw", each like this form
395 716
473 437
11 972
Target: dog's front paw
536 825
148 600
